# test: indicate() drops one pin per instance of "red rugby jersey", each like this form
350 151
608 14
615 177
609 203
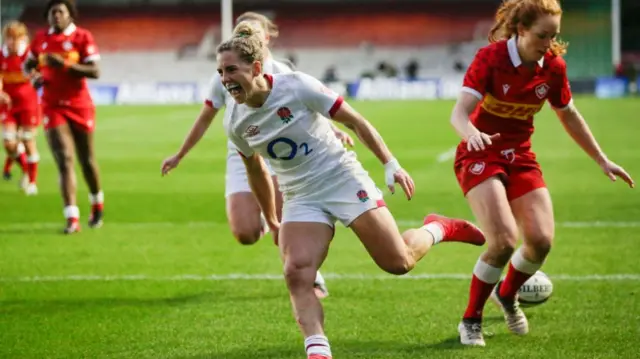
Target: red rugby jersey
75 45
511 94
14 82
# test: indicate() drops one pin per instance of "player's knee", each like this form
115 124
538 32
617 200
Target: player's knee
397 265
64 160
246 229
299 273
246 235
540 241
503 244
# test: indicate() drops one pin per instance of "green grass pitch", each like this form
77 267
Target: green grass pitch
155 281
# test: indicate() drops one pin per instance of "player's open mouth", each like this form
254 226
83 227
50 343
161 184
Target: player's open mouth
234 89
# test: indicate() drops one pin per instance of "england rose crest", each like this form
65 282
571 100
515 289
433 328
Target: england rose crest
285 114
363 196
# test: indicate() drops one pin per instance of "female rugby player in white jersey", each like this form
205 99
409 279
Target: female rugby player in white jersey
275 116
243 212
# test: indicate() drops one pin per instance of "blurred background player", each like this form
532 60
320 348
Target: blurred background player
10 159
65 55
20 108
276 116
507 83
243 211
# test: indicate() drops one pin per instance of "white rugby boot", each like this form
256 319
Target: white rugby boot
514 316
470 331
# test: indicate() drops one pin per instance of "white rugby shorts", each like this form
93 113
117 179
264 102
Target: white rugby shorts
236 180
341 200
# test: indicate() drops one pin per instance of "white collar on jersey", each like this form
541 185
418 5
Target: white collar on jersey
22 48
513 53
68 31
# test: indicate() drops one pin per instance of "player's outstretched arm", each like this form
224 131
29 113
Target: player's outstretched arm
374 142
364 130
476 140
262 187
199 128
579 130
195 134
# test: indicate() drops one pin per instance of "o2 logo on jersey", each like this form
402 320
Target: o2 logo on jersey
285 114
303 148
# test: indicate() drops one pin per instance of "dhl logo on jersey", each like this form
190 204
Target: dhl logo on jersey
71 56
14 77
519 111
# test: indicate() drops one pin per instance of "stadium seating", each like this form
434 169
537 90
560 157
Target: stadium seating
147 43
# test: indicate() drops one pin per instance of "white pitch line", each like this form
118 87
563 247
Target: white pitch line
447 155
272 277
401 222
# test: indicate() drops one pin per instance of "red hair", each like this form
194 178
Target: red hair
15 29
512 13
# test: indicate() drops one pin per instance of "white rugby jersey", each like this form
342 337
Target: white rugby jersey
286 130
219 96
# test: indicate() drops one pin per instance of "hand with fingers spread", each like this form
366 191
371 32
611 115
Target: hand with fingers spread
479 141
395 174
612 170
